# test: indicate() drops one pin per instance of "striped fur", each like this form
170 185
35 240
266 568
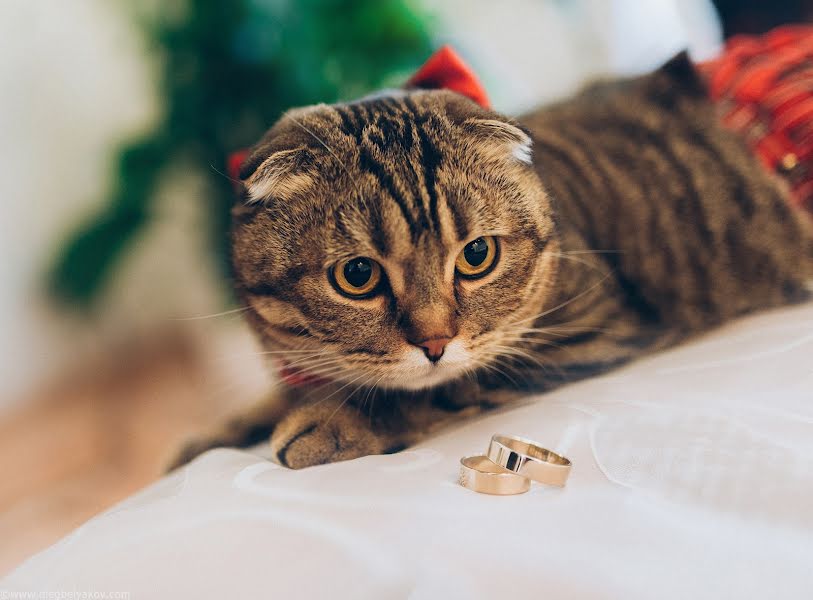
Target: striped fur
639 222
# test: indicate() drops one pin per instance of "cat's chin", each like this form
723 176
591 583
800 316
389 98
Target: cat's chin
433 377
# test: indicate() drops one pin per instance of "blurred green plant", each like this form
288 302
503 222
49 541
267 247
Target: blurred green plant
227 70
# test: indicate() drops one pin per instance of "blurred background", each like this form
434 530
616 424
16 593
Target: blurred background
117 118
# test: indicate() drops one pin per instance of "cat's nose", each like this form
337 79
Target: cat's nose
433 349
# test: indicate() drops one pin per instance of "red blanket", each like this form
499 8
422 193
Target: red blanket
764 85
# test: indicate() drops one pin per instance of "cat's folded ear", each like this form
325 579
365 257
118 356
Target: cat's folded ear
499 140
276 174
282 164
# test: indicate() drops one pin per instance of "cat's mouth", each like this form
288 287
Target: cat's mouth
415 372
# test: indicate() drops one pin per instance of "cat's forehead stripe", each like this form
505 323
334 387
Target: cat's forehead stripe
383 126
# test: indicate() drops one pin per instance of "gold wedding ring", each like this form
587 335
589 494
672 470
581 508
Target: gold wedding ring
480 474
527 459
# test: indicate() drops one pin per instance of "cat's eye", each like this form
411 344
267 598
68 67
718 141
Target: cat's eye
356 277
477 258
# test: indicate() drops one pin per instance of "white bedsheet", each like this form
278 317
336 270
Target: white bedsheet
693 478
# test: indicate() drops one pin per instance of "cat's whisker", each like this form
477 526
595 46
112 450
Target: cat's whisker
497 358
369 395
520 337
563 330
320 368
335 382
565 303
212 316
504 350
269 352
562 327
478 365
567 350
531 341
517 352
225 358
225 175
562 334
309 364
532 337
343 402
581 261
513 351
370 389
272 353
503 359
312 391
564 349
525 376
571 252
470 372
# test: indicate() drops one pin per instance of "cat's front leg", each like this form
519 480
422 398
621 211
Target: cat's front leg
325 432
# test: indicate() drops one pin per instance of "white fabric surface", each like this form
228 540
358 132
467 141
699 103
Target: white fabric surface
693 478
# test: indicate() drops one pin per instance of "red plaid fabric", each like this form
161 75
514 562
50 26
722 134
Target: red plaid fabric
764 85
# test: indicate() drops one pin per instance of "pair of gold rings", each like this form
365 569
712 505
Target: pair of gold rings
509 465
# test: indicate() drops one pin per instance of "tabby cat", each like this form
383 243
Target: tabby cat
413 257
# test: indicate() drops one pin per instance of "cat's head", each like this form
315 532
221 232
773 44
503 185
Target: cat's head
399 240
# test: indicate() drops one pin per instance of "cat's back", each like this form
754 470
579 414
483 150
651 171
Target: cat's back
643 169
665 116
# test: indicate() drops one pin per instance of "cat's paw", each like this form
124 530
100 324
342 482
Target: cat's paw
319 434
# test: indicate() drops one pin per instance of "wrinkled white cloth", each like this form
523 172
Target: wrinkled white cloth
692 478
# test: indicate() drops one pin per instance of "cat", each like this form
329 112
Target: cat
414 258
